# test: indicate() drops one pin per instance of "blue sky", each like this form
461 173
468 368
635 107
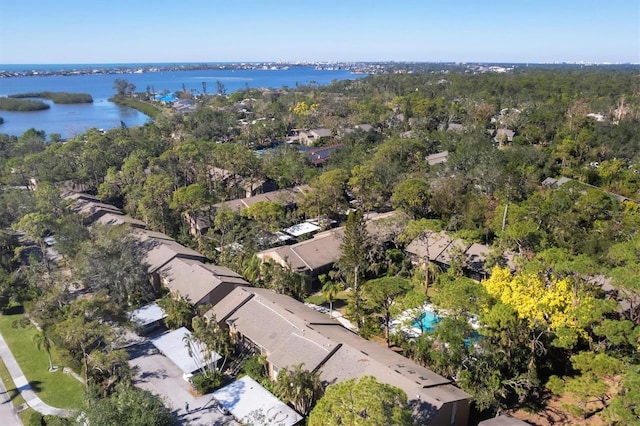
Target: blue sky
122 31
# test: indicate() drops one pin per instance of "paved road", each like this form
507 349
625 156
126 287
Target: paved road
22 384
158 374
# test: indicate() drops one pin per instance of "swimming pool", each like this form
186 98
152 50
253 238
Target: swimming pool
427 322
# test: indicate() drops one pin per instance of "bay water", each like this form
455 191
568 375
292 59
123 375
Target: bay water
71 120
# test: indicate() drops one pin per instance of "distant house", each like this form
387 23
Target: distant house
89 206
475 260
119 219
201 221
184 106
455 127
80 196
319 156
312 136
312 257
317 255
502 136
247 186
442 249
254 187
438 158
91 211
557 183
286 197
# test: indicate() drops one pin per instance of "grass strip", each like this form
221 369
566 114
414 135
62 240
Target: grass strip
57 389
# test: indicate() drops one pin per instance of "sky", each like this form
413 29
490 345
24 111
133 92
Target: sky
147 31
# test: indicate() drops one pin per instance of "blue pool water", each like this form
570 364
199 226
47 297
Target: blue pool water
427 322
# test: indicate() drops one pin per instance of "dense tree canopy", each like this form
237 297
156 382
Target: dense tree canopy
129 406
561 315
361 402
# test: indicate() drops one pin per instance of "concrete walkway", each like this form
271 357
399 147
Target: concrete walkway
23 386
333 314
8 413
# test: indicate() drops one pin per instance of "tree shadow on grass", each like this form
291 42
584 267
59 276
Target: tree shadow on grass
13 310
36 386
11 394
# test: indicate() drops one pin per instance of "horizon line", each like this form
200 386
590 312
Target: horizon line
328 62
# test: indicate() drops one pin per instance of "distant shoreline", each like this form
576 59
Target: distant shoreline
369 68
9 71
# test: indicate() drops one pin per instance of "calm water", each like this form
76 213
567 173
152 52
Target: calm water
70 120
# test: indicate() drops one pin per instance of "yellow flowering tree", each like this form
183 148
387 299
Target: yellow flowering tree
548 303
550 309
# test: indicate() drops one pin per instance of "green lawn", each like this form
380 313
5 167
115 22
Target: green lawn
56 389
340 301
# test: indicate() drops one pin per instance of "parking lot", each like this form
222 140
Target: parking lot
156 373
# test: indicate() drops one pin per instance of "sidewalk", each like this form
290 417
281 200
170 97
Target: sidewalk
22 385
334 314
7 411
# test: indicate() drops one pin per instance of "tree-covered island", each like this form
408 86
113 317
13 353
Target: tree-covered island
20 105
57 97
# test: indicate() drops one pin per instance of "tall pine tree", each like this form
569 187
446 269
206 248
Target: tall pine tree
352 264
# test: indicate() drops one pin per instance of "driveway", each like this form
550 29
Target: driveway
156 373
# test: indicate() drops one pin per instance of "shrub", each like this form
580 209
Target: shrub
36 419
254 367
207 382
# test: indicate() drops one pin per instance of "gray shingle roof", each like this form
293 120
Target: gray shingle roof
291 333
157 253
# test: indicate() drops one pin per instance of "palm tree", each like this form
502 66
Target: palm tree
431 272
301 387
251 269
330 290
43 342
